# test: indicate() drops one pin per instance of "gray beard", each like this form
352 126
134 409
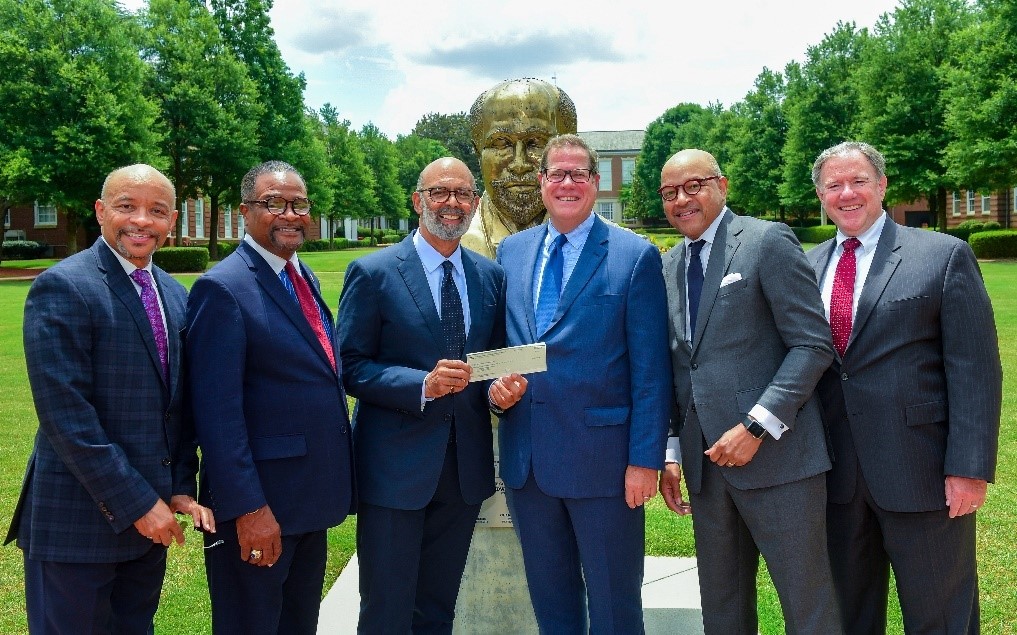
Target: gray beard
430 220
521 209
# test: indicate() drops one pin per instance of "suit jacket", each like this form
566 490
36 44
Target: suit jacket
269 410
113 438
917 394
390 338
761 339
603 402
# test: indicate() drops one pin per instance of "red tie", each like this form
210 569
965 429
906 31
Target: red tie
310 308
842 298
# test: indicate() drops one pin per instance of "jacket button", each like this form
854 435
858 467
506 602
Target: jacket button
844 376
448 417
167 462
695 367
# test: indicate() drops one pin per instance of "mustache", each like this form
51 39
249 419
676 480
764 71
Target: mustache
130 229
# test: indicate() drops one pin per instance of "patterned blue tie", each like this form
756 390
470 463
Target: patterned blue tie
694 283
550 285
453 322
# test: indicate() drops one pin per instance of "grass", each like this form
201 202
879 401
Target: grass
185 607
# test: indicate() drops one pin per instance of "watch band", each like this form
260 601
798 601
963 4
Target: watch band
755 428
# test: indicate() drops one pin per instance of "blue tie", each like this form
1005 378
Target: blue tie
694 283
550 285
453 321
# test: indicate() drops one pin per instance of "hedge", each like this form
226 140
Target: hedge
817 234
24 249
995 244
182 259
965 230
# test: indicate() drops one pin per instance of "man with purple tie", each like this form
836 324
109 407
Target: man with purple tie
115 455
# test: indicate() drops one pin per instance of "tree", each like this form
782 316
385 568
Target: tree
755 169
381 159
453 132
72 104
209 104
657 143
980 98
902 112
414 154
350 178
821 107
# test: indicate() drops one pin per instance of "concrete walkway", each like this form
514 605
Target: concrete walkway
670 600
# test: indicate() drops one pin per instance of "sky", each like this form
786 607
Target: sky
623 62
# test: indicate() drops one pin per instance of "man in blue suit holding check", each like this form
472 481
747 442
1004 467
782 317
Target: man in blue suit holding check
270 411
114 456
581 450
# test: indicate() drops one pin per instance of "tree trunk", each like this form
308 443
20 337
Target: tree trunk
72 230
941 208
213 223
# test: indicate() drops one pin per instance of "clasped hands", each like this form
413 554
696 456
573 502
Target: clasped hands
161 527
452 376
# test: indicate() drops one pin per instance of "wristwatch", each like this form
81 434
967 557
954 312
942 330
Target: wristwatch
754 427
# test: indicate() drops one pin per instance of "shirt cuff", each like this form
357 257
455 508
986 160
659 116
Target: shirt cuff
673 453
423 391
766 419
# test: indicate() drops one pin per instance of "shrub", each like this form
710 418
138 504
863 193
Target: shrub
319 244
991 226
24 249
226 248
182 259
965 229
343 243
995 244
817 234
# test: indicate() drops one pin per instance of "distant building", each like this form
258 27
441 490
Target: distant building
618 150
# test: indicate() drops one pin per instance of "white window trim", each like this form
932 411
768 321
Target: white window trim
606 182
227 221
956 204
183 219
44 224
971 203
628 173
986 205
199 218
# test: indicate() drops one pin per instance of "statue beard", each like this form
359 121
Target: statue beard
523 207
445 232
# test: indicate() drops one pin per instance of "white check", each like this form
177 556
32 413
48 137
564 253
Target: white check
529 358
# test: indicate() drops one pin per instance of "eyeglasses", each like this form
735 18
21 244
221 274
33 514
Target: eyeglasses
130 209
579 175
442 194
277 205
691 188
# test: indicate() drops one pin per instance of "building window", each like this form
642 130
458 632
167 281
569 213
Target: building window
183 218
956 204
240 226
604 166
227 221
45 215
628 169
986 205
606 209
199 218
7 218
971 203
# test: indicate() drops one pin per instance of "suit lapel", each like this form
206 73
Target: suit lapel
674 276
173 328
412 272
821 259
275 291
884 263
121 285
725 243
594 252
531 253
475 296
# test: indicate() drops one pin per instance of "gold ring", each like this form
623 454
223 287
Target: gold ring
255 554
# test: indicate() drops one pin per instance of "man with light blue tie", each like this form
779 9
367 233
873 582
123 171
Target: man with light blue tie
748 343
408 315
581 450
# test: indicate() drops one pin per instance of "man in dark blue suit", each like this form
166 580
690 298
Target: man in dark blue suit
114 456
407 317
271 417
581 450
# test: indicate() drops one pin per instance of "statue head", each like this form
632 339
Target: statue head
510 124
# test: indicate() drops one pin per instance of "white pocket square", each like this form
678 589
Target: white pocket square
729 278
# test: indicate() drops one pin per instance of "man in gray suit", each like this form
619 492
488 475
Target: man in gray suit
912 402
748 344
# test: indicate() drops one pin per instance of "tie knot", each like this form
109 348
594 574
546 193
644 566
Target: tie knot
558 241
696 246
851 244
142 277
448 267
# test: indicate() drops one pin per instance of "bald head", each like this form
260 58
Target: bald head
137 174
444 166
693 156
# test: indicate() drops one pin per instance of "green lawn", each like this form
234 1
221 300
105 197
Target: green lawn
185 608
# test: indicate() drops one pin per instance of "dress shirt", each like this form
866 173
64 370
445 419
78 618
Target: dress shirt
773 425
575 240
432 261
129 268
863 255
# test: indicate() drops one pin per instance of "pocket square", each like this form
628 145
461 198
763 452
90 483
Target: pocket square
729 278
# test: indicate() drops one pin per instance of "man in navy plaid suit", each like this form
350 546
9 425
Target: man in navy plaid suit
115 454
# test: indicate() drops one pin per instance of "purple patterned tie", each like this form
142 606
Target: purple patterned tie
151 301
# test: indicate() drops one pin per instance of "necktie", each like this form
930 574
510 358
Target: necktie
453 323
150 299
309 307
694 283
842 298
550 285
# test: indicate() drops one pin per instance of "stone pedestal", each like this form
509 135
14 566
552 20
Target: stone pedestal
493 597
